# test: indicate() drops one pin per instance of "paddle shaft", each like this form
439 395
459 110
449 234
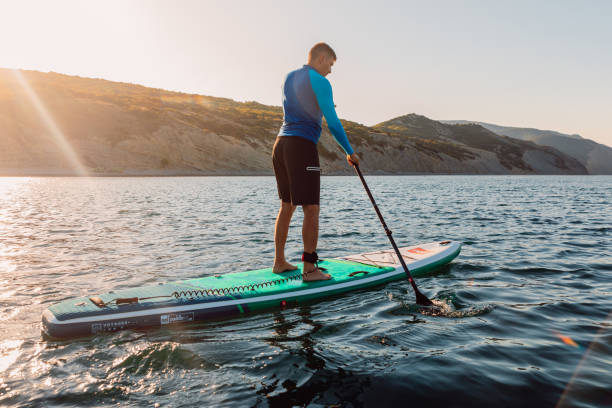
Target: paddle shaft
421 299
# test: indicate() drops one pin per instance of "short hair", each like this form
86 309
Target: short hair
319 49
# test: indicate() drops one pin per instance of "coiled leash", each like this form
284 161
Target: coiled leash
190 294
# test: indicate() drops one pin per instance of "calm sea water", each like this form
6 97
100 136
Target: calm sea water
530 294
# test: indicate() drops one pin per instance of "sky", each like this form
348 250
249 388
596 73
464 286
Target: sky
541 64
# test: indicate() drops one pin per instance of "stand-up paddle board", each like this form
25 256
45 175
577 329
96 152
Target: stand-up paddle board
231 294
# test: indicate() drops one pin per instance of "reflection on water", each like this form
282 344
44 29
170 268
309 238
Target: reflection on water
526 306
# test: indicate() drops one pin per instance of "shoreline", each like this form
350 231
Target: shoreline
7 173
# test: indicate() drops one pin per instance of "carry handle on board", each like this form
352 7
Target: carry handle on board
420 298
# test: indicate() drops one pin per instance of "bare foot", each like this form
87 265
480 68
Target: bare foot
315 275
283 267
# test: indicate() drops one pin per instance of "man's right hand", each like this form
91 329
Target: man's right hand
352 159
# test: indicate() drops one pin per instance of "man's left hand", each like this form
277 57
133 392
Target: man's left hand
352 159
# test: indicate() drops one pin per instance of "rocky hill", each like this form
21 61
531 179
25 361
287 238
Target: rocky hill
470 148
596 157
54 124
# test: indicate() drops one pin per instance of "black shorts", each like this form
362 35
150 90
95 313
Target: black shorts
297 171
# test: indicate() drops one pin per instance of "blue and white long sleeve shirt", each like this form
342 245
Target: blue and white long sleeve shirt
307 97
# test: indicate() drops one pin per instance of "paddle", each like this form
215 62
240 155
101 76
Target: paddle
420 298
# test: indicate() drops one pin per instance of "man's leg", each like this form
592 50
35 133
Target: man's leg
281 230
310 236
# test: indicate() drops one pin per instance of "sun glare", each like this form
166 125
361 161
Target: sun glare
9 351
54 130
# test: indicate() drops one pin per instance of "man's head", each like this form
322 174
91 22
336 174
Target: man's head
321 57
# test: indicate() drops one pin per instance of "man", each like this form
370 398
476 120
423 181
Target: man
307 96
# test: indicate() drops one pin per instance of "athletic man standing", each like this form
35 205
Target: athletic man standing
307 96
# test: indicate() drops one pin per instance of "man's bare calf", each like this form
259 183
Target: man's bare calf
281 230
310 236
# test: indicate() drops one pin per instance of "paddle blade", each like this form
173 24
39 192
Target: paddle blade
422 300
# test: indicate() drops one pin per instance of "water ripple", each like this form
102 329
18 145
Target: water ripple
525 307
